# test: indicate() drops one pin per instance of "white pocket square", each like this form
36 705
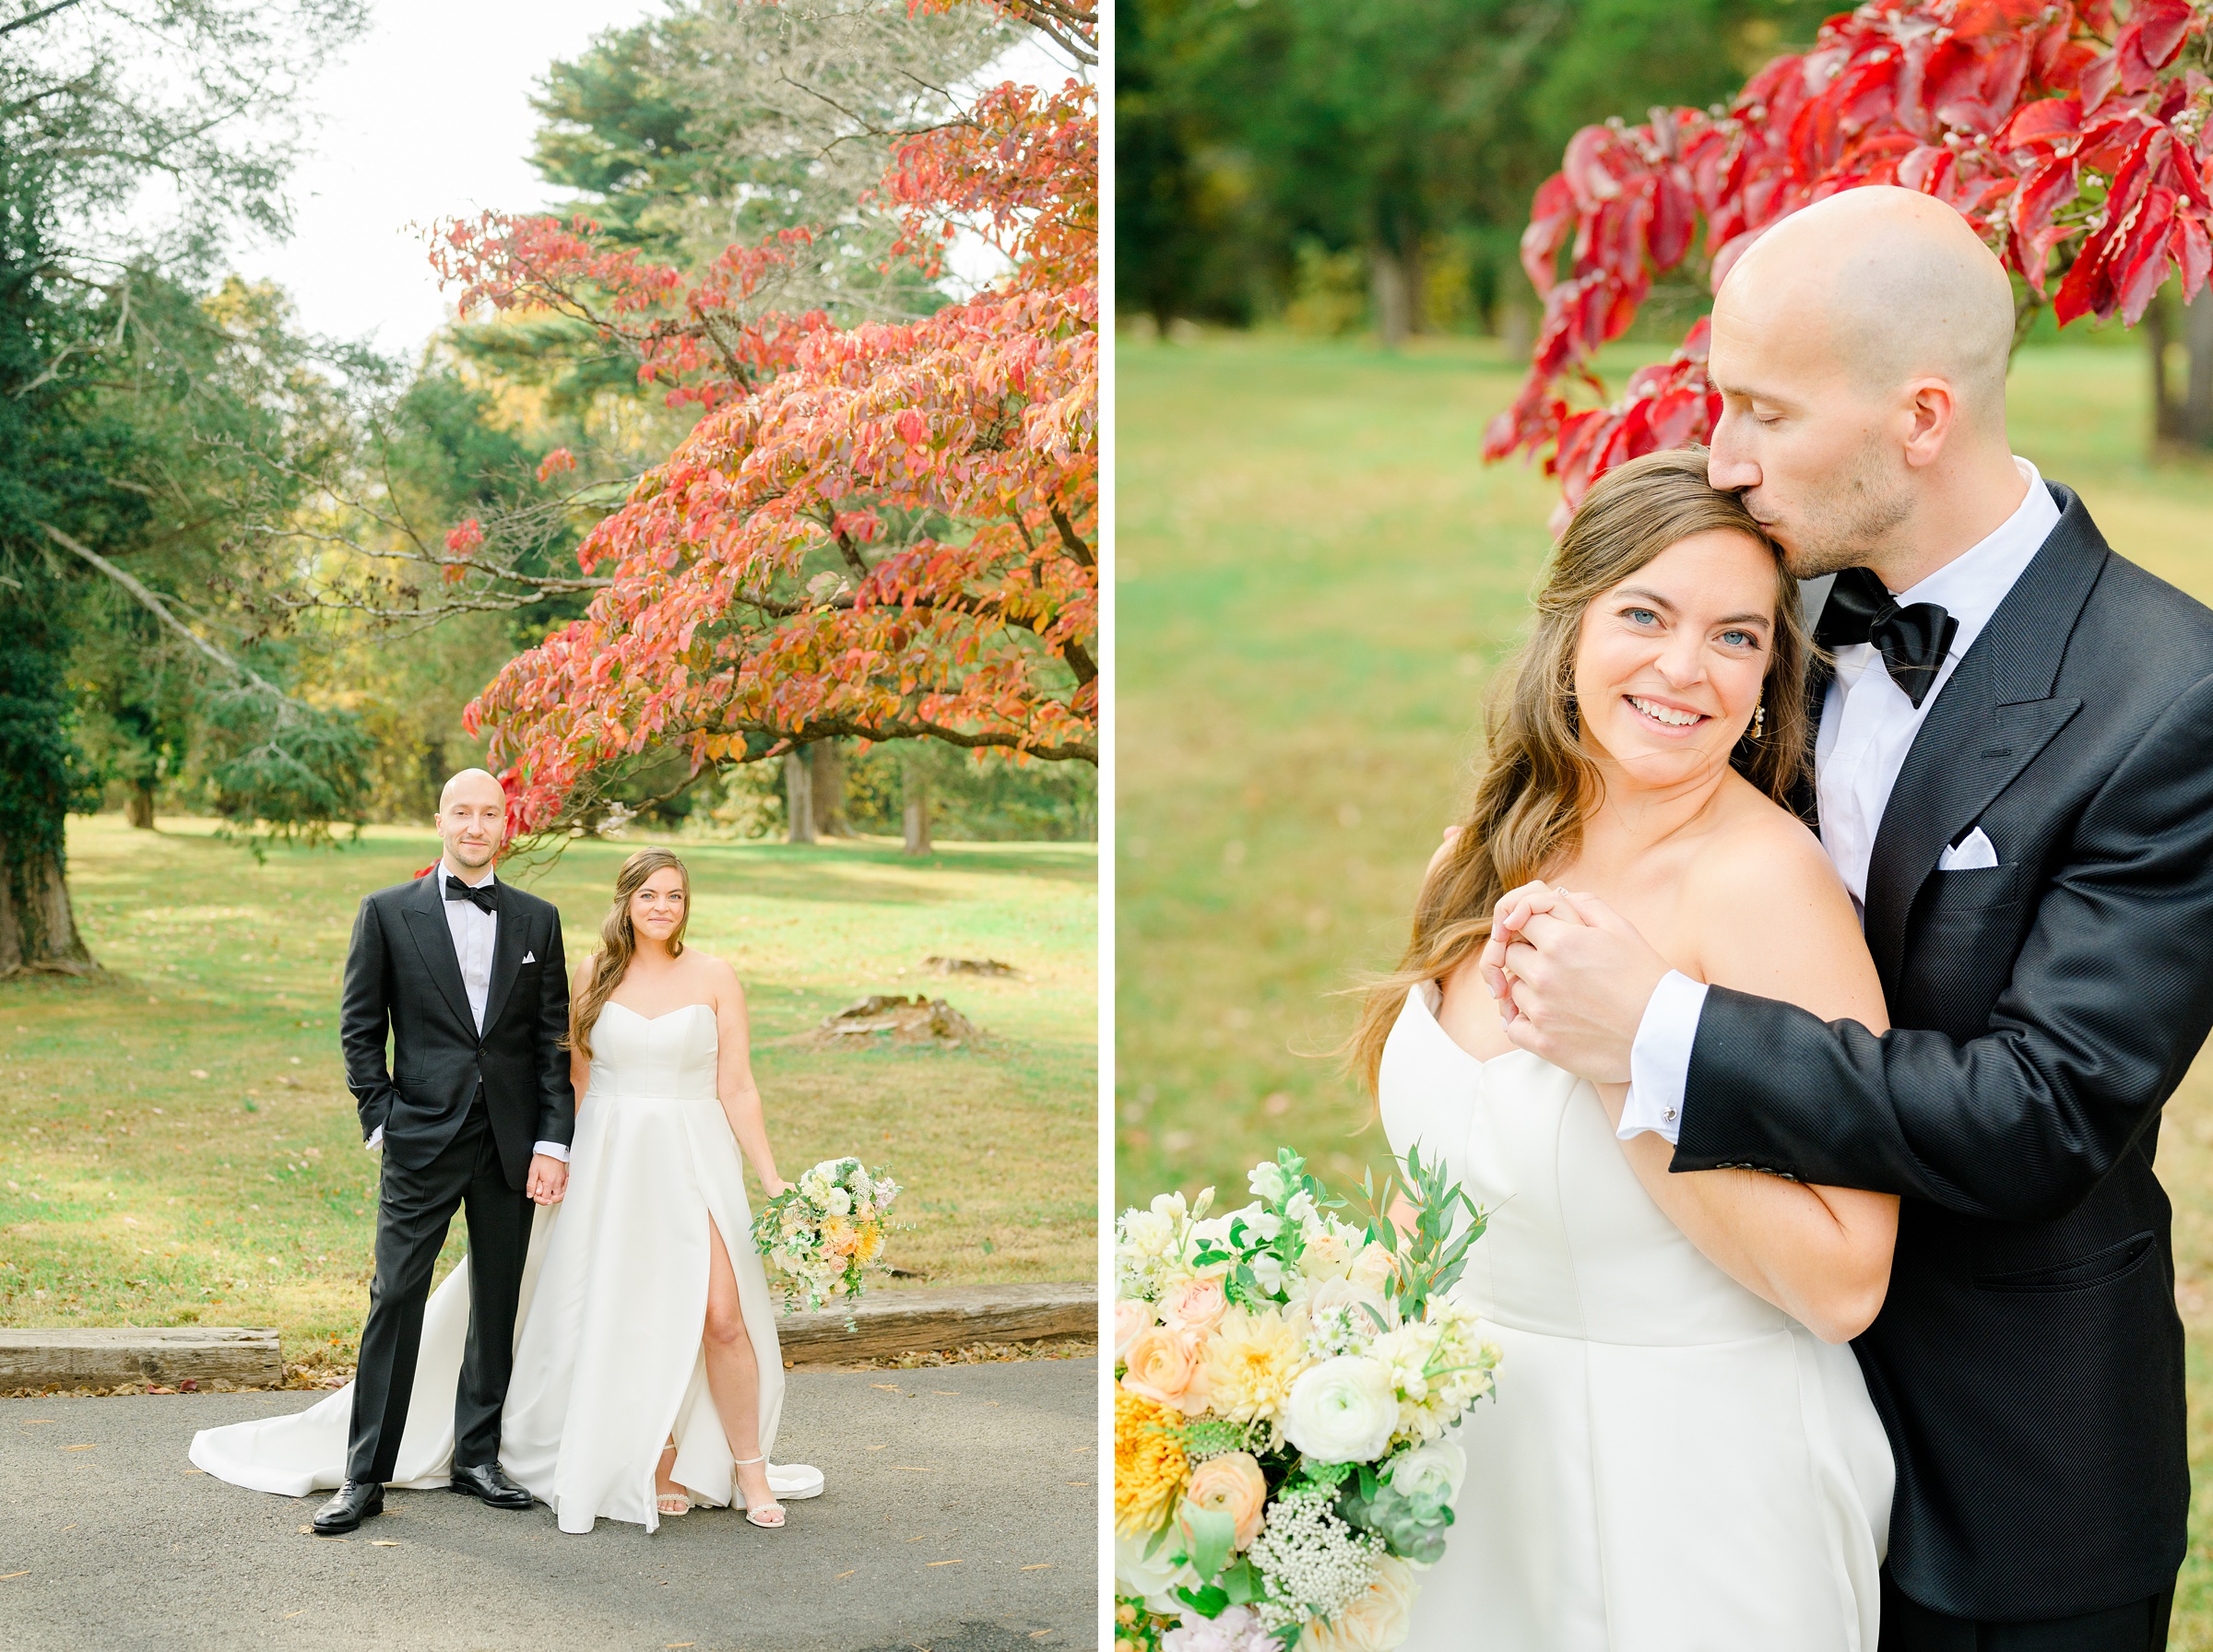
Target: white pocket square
1969 853
532 956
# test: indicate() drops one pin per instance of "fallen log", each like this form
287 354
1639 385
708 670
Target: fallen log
97 1357
938 1317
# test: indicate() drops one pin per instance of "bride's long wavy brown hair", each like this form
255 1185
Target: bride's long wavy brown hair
1538 783
619 943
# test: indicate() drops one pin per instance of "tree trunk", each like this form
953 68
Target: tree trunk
913 802
38 930
1387 275
826 758
799 798
2197 403
2166 411
138 805
1517 326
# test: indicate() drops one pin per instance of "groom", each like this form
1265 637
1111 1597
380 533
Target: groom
2013 777
474 1112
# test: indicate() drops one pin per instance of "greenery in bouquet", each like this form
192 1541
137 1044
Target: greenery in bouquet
823 1235
1286 1383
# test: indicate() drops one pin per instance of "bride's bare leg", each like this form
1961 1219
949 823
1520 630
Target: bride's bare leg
734 1375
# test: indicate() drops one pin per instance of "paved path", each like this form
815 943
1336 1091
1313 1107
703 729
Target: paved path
960 1518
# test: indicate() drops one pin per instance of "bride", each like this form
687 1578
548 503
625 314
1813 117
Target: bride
1682 1453
648 1377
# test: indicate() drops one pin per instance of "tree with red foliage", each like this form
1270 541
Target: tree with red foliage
881 532
2072 138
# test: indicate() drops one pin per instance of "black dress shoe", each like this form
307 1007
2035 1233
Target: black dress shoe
489 1484
353 1502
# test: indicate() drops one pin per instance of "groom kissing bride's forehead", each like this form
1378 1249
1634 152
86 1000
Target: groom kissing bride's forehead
2013 775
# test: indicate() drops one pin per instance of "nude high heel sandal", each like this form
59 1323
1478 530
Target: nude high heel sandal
767 1515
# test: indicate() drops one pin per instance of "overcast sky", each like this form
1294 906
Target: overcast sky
427 116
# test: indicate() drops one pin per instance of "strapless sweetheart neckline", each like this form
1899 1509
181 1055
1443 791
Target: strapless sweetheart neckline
664 1015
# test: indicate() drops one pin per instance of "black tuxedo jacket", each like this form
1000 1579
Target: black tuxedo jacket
2028 1362
402 974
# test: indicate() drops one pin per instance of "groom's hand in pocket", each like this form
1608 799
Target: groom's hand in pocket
1573 977
549 1179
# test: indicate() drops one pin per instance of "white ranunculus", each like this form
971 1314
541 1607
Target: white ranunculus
1342 1410
840 1202
1432 1470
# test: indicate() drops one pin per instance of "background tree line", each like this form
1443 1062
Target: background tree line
213 589
1337 166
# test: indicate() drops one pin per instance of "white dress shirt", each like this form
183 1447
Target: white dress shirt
475 932
1867 726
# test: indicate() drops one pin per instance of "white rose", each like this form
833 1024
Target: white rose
1432 1470
1268 1182
1342 1410
840 1202
1376 1622
1373 1268
1326 1255
1152 1578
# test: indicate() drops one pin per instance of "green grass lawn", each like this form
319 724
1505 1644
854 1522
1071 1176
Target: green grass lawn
1316 574
177 1145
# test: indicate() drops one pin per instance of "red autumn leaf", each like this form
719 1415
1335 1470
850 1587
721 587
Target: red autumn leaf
2019 113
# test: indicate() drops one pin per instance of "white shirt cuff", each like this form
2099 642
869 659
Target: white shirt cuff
553 1150
1660 1058
376 1138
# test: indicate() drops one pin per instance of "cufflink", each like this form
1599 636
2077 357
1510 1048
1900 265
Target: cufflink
1669 1116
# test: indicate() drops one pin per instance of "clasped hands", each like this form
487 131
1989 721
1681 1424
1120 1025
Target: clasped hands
1571 976
549 1179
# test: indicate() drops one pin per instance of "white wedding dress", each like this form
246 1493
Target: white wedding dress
1671 1465
609 1360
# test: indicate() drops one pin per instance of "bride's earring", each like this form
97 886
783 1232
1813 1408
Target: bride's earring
1759 717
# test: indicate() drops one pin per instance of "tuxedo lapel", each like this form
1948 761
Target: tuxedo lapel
434 943
1987 725
507 949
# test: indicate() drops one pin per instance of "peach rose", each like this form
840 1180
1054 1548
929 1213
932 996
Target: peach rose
1230 1484
1373 1269
1163 1365
1195 1306
1377 1621
1130 1318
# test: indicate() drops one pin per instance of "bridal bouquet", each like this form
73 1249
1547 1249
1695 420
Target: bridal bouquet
1285 1381
822 1236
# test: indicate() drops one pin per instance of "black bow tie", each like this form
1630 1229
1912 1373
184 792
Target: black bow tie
1912 640
479 895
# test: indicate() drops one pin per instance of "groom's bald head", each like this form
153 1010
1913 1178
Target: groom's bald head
1892 284
1860 347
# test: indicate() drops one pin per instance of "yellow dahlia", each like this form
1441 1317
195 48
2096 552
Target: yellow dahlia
869 1241
837 1235
1250 1362
1149 1464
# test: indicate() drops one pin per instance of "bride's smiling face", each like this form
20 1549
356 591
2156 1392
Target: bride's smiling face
1669 663
657 909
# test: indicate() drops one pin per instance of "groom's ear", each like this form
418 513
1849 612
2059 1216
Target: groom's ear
1929 419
